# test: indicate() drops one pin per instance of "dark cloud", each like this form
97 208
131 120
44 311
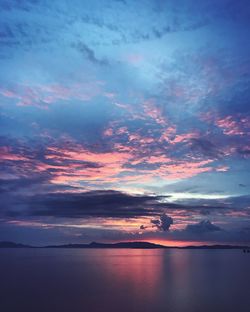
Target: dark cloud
163 223
37 196
92 204
242 185
204 226
205 233
89 53
155 222
9 185
206 148
36 182
244 151
228 203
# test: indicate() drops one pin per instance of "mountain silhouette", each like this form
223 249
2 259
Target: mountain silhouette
132 245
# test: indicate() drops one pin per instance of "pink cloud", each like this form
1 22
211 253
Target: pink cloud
70 163
138 139
184 169
172 137
43 95
153 111
81 154
110 164
222 168
7 154
184 137
7 93
168 134
230 126
108 132
121 130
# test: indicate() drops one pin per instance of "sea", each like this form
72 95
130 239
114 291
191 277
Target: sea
129 280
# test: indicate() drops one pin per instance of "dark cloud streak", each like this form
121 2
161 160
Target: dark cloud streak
92 204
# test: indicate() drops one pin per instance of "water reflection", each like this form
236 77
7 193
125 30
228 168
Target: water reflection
139 272
124 280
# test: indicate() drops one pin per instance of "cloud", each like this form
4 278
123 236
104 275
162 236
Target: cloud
245 151
89 53
204 226
42 96
70 162
220 204
163 223
233 127
98 203
36 183
233 235
205 147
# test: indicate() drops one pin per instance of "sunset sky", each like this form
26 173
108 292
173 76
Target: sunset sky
124 121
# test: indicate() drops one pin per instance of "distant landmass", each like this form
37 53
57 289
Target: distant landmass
133 245
13 245
136 245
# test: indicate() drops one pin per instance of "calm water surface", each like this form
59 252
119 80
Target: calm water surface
34 280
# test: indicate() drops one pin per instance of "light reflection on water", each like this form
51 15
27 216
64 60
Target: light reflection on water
124 280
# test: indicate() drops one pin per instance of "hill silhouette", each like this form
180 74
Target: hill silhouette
131 245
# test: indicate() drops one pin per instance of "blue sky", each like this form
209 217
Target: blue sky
116 114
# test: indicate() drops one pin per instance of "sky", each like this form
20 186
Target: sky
125 121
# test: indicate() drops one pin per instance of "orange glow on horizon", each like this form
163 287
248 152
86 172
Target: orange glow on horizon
168 243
